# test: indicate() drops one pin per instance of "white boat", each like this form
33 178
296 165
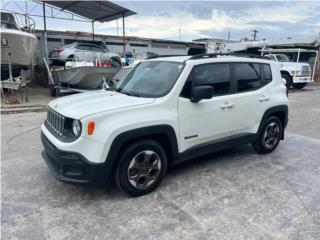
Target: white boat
85 77
17 44
88 71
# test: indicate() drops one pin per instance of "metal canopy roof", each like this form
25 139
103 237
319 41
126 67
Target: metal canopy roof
101 11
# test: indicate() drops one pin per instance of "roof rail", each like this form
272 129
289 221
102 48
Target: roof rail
214 55
160 56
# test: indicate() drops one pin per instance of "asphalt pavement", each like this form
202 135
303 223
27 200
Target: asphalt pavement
233 194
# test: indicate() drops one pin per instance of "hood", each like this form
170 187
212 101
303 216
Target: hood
292 65
81 105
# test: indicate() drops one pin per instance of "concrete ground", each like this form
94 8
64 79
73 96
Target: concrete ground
38 99
233 194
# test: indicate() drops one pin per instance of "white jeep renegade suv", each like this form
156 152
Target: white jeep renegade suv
165 111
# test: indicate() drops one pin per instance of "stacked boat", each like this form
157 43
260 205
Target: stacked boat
17 44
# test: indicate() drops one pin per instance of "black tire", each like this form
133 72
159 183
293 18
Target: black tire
138 162
54 92
288 80
299 85
263 144
70 58
116 62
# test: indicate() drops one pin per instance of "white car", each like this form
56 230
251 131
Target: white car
295 74
78 49
164 111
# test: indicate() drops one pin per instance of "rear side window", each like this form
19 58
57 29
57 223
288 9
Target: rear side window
83 47
96 49
216 75
267 72
248 76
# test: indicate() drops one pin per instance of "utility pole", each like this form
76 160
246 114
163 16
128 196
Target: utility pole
254 34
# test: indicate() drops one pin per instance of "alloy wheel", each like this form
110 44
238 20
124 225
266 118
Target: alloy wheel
271 135
144 169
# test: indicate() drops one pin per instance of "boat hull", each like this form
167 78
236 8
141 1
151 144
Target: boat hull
85 77
21 46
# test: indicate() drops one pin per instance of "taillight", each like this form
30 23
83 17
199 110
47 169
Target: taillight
59 49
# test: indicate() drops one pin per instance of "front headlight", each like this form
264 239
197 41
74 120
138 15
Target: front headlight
4 42
76 127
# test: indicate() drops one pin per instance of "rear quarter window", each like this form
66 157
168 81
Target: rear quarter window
267 72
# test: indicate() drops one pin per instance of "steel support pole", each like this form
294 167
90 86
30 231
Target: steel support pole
315 66
93 30
123 35
45 41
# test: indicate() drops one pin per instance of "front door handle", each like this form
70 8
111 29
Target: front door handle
227 106
263 99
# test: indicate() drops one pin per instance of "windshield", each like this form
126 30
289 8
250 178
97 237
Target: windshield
282 58
150 79
9 26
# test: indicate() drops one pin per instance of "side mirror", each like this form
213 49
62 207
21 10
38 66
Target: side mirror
201 92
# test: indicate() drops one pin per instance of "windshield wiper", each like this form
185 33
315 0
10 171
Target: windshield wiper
128 93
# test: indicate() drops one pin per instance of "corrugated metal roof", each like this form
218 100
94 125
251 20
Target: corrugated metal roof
101 11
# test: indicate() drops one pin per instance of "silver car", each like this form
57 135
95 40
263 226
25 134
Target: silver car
72 52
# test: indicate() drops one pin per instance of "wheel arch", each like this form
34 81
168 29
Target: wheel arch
285 72
164 134
281 112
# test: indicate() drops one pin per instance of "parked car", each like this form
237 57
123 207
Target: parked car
165 111
296 74
59 56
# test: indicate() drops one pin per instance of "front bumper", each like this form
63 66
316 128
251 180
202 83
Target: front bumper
301 79
72 167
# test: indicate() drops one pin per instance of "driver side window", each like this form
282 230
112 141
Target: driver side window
216 75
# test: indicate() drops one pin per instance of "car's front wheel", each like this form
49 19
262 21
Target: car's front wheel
299 85
288 80
269 136
141 167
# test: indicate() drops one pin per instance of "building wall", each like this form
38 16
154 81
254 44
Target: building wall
113 43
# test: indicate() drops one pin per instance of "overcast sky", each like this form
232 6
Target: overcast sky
196 19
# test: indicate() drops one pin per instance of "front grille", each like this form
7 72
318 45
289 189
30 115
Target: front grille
55 121
305 71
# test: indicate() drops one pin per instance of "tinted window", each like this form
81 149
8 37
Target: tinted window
215 75
96 49
248 76
83 47
267 72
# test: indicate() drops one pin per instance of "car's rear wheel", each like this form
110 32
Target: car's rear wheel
141 168
269 136
116 62
71 58
299 85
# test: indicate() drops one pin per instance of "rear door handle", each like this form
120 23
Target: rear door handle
263 99
227 106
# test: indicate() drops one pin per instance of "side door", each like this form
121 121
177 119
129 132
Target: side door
82 52
209 120
252 96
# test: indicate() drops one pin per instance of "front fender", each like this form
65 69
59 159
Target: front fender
120 141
